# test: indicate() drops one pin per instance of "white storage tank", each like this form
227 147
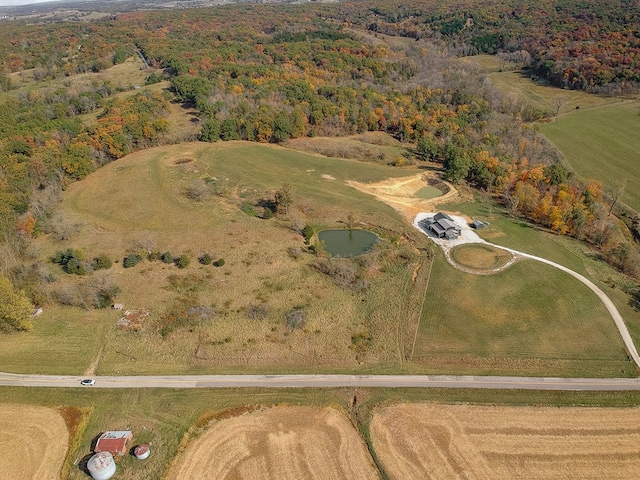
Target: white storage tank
101 466
141 451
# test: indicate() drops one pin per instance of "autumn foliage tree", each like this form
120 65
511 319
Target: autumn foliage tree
15 308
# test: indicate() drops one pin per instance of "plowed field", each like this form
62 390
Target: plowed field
33 443
475 442
278 443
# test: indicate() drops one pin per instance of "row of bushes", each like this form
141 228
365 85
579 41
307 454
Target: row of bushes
74 262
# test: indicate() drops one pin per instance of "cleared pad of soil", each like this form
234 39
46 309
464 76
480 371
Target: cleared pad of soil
278 443
33 443
476 442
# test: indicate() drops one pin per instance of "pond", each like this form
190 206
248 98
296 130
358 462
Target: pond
347 243
428 192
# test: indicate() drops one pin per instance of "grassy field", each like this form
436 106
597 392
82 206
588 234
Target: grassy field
63 341
514 233
377 147
123 75
140 200
530 317
596 134
424 441
603 143
537 93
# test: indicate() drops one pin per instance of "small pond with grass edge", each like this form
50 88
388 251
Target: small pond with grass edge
347 243
428 192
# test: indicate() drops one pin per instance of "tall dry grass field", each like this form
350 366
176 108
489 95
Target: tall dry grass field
33 443
430 441
281 442
140 203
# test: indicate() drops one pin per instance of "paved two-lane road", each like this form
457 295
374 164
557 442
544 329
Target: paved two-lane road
326 381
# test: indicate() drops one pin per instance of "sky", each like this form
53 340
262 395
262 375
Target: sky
13 3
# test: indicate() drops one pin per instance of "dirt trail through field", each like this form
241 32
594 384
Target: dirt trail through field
33 443
429 441
400 193
280 442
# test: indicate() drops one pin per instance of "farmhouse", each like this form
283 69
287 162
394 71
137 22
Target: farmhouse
443 226
114 442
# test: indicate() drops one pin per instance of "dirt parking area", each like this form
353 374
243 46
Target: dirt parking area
400 193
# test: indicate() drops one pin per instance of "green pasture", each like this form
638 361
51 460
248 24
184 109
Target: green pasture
141 199
604 144
63 341
530 317
520 235
537 93
145 190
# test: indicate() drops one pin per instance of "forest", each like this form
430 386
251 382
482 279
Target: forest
271 73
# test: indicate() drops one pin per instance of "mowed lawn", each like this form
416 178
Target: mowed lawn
63 341
530 318
603 143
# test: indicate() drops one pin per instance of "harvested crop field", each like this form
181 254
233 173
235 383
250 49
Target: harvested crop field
33 443
477 442
276 443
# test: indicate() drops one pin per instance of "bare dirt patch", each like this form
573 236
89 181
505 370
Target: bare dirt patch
33 443
400 193
477 442
280 442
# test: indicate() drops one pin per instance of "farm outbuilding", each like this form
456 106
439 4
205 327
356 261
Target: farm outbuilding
142 451
101 466
477 224
114 442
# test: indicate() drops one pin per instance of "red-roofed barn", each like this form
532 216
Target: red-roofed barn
114 442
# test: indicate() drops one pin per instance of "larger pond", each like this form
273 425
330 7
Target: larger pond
347 243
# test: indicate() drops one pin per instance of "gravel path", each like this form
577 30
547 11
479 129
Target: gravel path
470 236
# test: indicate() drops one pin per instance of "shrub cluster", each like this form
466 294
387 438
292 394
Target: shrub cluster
205 259
295 318
131 260
343 271
256 312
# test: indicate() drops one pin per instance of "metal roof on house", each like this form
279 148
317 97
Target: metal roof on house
441 215
447 224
